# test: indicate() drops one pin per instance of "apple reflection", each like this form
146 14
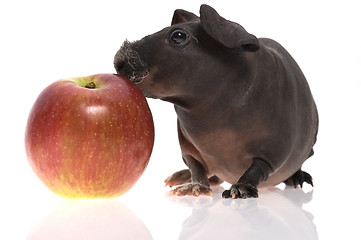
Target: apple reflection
277 214
90 219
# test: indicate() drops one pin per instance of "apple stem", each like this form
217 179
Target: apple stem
90 85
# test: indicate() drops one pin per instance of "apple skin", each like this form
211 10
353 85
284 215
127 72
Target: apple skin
90 142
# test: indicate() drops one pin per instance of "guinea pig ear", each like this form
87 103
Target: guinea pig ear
181 16
229 34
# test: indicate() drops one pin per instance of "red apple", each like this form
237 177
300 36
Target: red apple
90 137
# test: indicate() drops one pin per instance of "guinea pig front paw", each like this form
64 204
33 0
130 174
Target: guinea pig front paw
192 188
241 190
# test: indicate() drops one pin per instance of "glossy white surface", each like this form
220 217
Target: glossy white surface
43 41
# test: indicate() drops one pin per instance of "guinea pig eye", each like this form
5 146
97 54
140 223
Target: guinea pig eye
178 36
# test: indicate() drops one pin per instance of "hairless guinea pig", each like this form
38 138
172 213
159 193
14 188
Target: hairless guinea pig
245 111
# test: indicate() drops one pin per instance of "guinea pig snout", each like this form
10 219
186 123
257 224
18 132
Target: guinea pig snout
118 65
127 62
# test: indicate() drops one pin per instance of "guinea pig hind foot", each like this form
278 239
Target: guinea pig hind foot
184 176
178 178
298 178
191 189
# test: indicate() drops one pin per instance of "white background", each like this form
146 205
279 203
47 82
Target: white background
43 41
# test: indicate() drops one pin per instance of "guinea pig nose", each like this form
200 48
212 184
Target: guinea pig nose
119 64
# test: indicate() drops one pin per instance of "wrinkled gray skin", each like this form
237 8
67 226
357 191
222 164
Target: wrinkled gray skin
245 111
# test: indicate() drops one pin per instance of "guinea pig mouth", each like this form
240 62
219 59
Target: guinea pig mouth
134 76
128 63
138 79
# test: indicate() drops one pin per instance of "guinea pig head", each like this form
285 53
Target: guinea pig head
188 58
